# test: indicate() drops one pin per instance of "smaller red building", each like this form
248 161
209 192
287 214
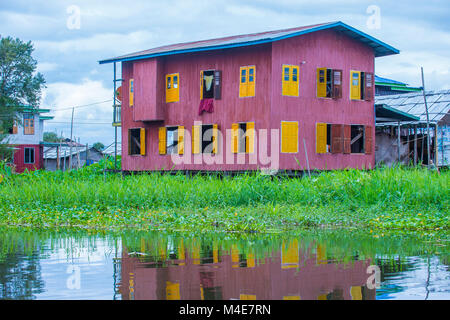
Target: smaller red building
26 139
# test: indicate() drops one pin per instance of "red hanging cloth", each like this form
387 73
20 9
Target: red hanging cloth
206 105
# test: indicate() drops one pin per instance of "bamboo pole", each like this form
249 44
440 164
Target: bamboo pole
415 145
428 118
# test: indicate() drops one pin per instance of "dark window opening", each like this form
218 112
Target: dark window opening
172 140
328 137
357 139
135 141
29 155
242 141
363 86
208 84
207 138
329 83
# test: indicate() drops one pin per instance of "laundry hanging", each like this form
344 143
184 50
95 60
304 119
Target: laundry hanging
208 81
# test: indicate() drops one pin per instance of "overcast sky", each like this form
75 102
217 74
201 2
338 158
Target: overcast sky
68 52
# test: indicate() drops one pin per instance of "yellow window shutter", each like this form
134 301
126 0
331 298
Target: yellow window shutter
176 87
251 82
168 88
142 141
172 291
201 85
321 138
234 137
196 139
285 77
162 140
289 137
356 293
321 82
131 92
355 85
215 138
180 140
250 137
294 81
243 81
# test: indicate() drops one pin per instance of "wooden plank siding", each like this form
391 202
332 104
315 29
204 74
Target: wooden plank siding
267 109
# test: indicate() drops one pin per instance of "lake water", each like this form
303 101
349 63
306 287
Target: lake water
137 265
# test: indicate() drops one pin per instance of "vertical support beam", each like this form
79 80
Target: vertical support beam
436 148
428 118
398 142
408 131
87 154
115 115
58 165
442 145
415 145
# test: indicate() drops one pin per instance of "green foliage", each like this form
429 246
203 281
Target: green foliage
20 85
51 137
379 201
99 146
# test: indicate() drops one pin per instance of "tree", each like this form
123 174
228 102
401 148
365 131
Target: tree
98 146
20 85
51 137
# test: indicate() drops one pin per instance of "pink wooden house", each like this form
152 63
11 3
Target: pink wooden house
285 100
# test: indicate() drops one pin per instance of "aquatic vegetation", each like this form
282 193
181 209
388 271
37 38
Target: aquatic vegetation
381 200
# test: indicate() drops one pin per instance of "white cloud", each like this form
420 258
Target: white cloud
91 123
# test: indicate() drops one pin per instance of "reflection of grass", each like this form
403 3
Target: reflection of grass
337 246
378 201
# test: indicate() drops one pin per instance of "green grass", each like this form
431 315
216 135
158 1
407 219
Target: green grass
381 200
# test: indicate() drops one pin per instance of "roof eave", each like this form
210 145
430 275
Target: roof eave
380 48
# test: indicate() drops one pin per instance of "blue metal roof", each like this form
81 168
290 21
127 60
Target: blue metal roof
380 48
386 80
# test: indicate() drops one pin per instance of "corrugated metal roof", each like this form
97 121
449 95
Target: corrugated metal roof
110 149
438 104
380 48
64 151
386 80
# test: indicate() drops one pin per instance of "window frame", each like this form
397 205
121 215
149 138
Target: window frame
172 93
290 88
25 155
142 144
28 124
247 89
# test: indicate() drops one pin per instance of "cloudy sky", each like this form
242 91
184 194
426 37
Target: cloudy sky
69 45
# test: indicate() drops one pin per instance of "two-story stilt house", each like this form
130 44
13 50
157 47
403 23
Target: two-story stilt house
288 99
26 139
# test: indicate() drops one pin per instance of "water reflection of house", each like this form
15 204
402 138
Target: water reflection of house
290 274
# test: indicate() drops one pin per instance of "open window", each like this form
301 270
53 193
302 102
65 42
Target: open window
205 138
243 137
13 129
210 84
171 140
136 141
29 155
323 138
361 85
356 138
172 87
329 83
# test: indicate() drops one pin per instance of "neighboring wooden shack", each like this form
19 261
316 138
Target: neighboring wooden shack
80 155
409 118
286 100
